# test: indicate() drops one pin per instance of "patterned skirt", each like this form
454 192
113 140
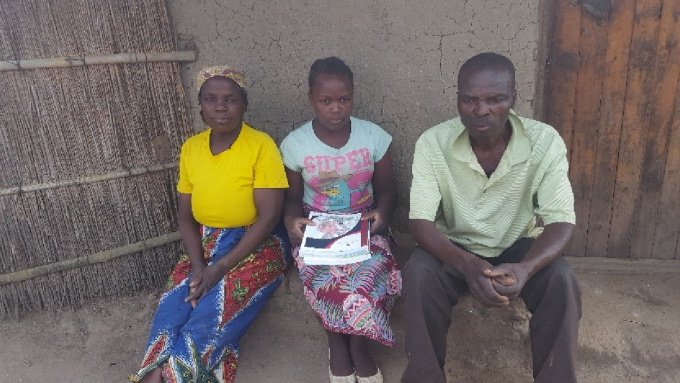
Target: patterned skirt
201 344
357 298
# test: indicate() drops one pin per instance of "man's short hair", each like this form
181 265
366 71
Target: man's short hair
487 60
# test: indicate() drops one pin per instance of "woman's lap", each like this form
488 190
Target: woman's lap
210 333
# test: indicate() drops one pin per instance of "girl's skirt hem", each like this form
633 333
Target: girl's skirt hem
349 331
357 298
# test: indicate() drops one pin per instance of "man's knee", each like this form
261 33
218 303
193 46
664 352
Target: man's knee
420 262
561 284
422 275
561 273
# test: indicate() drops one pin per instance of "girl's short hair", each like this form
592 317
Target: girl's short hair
330 65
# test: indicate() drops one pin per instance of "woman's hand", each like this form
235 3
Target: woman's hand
268 203
196 275
202 282
295 227
379 220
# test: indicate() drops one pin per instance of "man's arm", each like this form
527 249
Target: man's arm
473 268
555 206
510 278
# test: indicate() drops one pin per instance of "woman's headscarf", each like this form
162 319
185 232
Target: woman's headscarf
220 71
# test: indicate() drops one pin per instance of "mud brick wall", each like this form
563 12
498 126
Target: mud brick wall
404 54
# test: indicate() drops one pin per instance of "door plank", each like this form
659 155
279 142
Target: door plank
640 76
620 31
667 235
564 63
593 44
661 106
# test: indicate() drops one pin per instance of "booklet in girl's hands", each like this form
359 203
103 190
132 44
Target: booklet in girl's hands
336 239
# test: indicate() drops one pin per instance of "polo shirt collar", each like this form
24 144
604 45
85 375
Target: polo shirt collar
518 150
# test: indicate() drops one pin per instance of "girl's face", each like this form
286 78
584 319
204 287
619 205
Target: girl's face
222 104
331 97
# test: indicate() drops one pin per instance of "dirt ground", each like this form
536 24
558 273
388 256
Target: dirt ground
629 333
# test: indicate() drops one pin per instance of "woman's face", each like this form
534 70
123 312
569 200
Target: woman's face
222 104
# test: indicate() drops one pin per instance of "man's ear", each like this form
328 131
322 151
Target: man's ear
514 97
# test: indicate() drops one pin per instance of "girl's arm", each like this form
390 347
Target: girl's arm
293 214
269 203
385 194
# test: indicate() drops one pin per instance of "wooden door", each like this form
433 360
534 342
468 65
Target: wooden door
611 90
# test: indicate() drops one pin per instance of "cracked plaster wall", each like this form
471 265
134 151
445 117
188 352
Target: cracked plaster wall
405 56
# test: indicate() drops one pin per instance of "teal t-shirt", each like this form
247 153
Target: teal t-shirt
336 180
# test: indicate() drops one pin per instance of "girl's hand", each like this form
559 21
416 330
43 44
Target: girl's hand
202 282
295 227
378 220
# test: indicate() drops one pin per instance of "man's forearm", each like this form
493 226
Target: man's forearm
427 236
548 246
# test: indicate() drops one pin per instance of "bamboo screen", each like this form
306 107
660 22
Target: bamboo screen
89 154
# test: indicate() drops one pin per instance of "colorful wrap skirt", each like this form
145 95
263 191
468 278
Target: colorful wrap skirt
357 298
201 344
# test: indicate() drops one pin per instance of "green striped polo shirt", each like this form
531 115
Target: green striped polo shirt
488 214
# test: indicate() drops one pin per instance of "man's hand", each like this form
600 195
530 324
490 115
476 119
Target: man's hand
203 282
378 221
481 285
508 279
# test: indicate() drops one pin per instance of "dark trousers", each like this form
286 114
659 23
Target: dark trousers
432 288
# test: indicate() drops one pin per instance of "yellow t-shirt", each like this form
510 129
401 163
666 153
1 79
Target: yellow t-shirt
221 186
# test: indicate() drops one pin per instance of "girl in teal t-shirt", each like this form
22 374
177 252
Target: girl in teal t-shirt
340 164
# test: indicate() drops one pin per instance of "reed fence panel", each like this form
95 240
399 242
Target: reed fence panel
89 153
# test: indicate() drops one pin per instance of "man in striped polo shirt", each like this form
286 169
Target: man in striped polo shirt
479 183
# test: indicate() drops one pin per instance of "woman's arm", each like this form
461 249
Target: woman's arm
190 232
385 194
293 214
269 203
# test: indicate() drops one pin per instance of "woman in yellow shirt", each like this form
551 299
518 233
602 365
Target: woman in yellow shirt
231 185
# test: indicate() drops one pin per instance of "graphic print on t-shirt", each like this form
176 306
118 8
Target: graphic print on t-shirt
336 191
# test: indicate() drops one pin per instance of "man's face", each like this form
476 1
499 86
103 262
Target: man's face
485 97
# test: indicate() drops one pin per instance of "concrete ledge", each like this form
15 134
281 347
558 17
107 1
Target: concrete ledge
581 264
623 266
